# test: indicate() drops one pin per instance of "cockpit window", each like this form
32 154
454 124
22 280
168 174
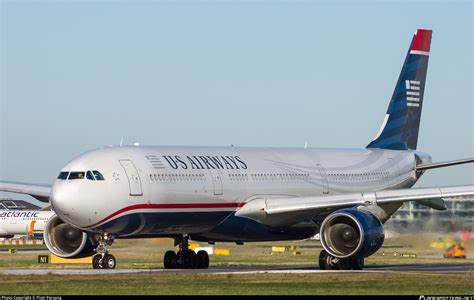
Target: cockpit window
63 175
98 175
76 175
89 175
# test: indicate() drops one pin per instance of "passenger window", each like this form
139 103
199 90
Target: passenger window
98 175
63 175
89 175
76 175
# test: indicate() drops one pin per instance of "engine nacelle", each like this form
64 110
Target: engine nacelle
66 241
351 233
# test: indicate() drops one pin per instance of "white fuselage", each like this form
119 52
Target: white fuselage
172 190
23 222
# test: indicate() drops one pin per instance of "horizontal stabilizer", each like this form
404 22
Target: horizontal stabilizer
423 167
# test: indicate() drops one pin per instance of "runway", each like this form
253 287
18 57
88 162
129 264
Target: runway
401 268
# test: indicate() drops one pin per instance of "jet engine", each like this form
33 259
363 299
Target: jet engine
67 241
351 233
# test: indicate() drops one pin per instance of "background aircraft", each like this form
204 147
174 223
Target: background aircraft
24 222
243 194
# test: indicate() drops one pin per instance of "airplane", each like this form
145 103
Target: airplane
248 194
24 222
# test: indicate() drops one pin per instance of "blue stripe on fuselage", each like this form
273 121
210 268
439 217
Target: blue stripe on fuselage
202 226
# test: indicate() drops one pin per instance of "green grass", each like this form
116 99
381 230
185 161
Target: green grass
23 247
260 284
144 254
148 253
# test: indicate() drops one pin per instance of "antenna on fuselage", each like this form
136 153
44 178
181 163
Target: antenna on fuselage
306 144
121 142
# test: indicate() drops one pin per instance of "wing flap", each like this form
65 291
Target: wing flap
37 191
418 194
437 204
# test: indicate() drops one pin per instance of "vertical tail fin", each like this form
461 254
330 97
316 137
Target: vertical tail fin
400 127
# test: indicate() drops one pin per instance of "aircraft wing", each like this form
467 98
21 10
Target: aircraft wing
37 191
293 210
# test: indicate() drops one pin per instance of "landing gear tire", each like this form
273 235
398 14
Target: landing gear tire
185 258
109 261
190 260
169 261
96 262
357 264
322 260
328 262
180 260
103 260
202 260
335 263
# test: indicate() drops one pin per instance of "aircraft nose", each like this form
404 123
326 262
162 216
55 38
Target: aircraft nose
63 200
72 203
58 200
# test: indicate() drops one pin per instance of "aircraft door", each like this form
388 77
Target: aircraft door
324 179
133 177
216 181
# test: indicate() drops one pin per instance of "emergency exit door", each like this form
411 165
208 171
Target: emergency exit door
133 177
216 181
324 179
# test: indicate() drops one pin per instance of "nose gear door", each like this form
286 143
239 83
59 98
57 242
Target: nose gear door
133 177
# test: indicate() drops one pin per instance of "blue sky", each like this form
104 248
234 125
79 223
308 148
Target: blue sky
84 74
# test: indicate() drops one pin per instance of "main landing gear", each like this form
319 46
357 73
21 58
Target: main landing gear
329 262
185 258
104 260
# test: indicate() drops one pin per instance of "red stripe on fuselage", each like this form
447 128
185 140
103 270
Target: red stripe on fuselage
169 206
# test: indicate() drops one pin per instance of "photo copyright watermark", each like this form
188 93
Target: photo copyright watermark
446 298
31 298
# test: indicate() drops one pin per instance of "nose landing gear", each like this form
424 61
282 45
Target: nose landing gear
185 258
104 260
